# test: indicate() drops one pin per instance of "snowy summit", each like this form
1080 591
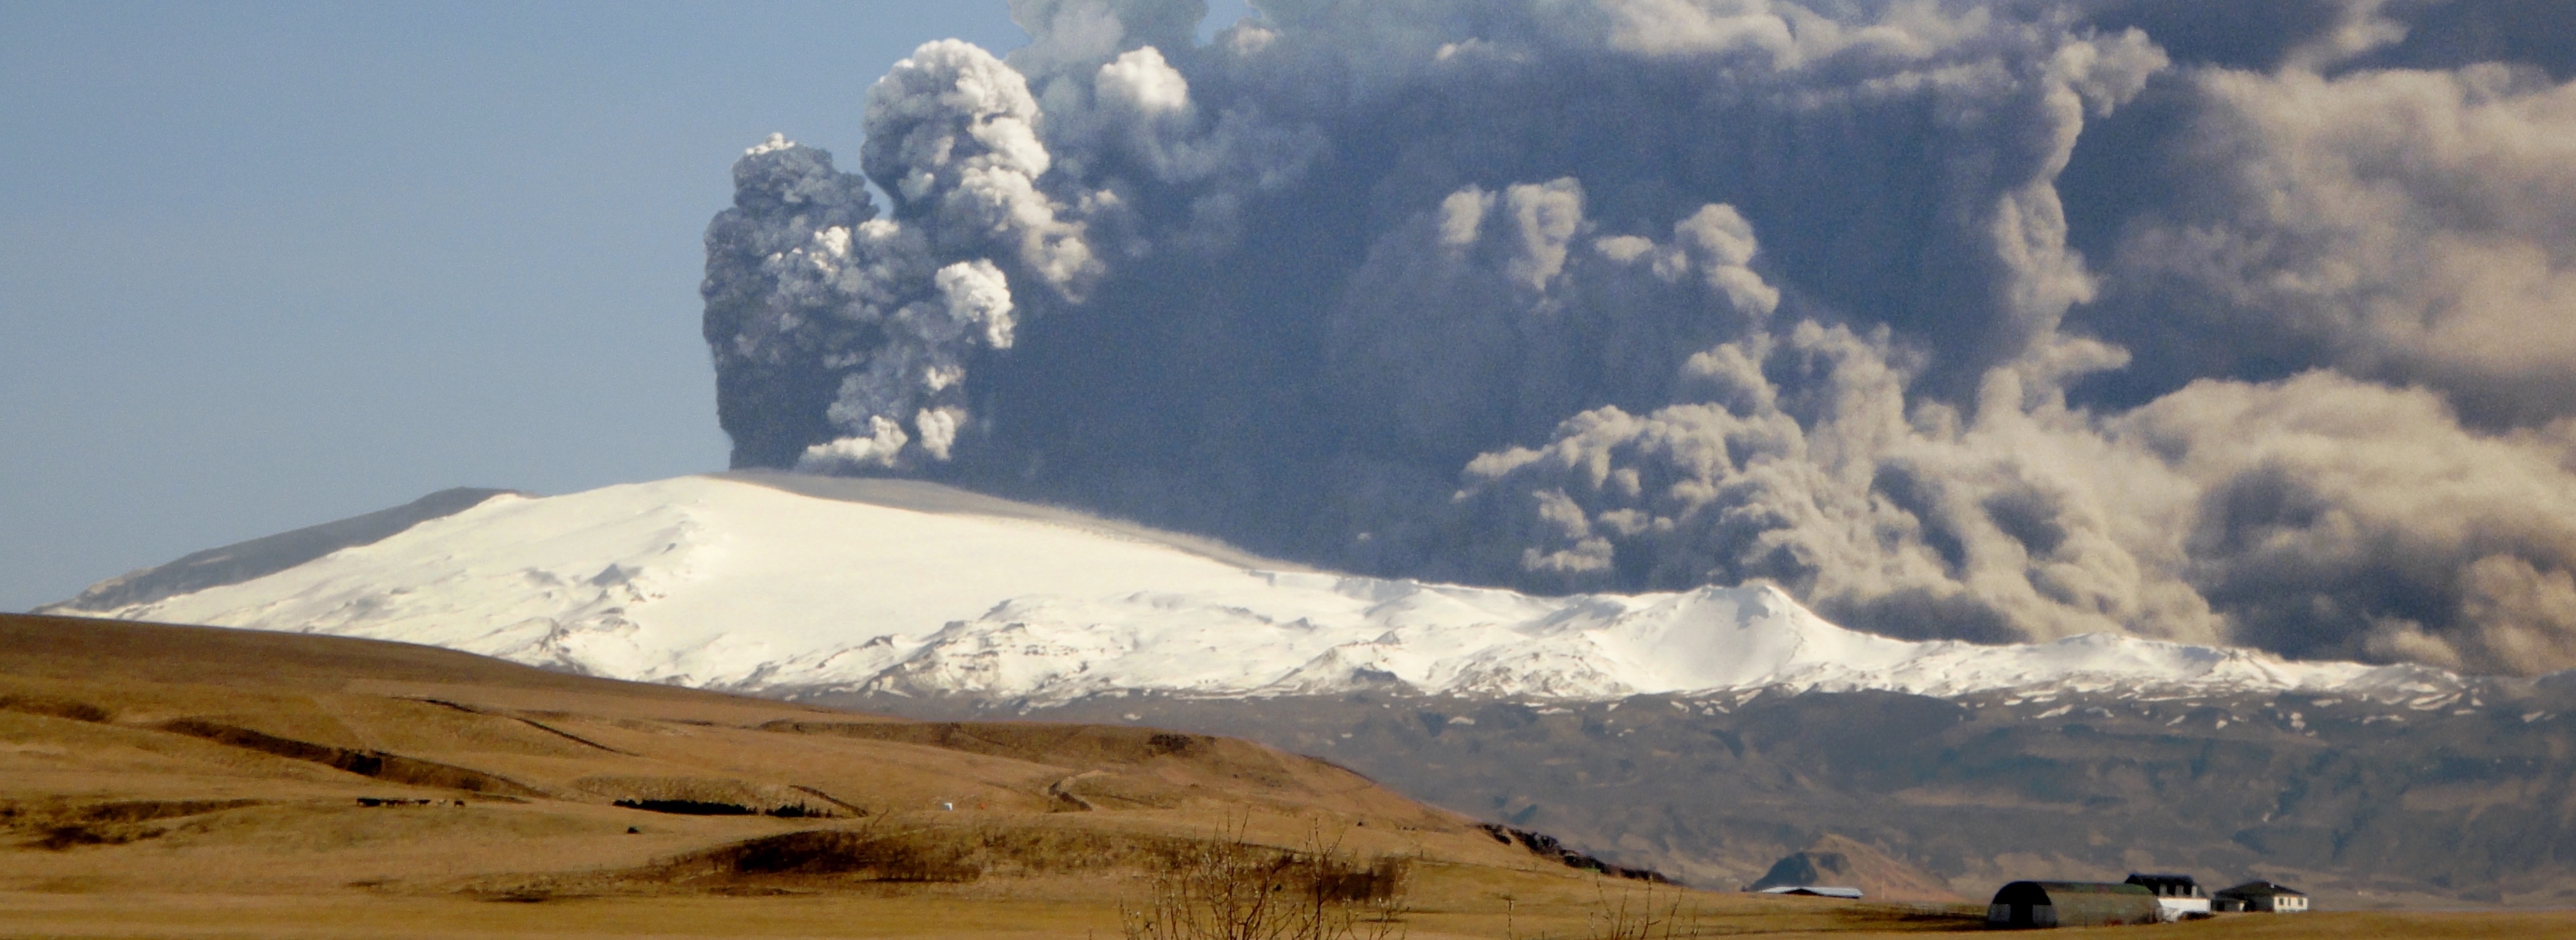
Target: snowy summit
778 583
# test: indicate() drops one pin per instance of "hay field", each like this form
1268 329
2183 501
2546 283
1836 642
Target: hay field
186 782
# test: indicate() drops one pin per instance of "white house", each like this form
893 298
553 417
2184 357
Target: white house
2178 895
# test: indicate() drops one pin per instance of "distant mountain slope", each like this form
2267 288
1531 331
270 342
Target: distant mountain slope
2447 800
781 584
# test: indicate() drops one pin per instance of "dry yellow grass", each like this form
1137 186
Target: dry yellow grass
956 914
182 782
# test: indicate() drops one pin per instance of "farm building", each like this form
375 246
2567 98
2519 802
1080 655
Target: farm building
1813 891
2024 904
2266 897
2179 895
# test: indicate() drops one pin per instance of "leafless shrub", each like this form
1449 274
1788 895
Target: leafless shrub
1227 888
1655 912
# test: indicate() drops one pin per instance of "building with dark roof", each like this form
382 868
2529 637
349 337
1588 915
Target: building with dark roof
2267 897
2027 904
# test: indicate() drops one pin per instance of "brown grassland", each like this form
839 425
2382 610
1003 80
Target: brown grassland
186 782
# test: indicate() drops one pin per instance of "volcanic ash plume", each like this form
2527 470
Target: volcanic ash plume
1988 320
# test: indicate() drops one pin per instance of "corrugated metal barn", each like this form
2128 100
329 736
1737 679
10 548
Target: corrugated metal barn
2031 904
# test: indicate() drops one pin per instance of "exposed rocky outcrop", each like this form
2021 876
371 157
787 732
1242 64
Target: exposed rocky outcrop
1547 846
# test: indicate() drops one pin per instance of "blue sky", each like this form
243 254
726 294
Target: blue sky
267 265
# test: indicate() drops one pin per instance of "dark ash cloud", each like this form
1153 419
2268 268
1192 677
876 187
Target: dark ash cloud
1636 294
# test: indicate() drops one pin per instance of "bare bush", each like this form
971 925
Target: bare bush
1227 888
1653 913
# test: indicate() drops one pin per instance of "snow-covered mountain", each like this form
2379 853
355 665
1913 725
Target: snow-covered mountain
776 583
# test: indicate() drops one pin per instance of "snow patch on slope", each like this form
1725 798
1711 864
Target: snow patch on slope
768 584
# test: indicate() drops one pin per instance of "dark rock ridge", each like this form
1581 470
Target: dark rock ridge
394 768
1547 846
716 808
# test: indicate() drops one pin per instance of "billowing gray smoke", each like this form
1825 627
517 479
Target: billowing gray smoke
1998 320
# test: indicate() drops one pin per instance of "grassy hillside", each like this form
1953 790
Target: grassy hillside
171 781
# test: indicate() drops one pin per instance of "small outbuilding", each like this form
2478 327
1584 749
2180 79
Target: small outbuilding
2266 897
2179 895
1813 891
2030 904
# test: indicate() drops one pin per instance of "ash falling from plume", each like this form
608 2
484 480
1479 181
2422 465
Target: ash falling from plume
1990 320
